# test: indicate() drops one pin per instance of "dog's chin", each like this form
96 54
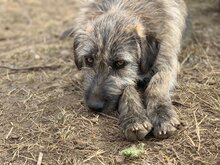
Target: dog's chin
107 110
110 108
112 104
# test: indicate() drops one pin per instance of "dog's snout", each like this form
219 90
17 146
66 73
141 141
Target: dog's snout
96 104
94 97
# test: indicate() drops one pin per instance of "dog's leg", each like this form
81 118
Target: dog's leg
132 117
158 102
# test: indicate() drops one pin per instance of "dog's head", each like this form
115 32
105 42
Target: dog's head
113 50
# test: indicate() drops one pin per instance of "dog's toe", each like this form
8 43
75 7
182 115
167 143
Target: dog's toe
137 131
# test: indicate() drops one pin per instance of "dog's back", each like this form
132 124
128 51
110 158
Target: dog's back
152 13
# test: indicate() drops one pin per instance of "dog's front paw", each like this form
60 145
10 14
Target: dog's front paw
164 119
165 129
136 128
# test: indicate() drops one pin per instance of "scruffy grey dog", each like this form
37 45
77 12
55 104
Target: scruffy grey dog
128 51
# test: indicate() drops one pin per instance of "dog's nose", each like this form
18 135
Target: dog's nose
96 105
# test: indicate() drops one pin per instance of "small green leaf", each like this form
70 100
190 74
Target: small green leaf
133 152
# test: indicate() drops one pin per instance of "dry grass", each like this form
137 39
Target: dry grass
42 117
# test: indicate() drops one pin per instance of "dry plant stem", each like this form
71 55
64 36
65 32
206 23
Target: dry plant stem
9 133
33 68
40 158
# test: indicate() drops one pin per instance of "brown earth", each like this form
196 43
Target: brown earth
41 108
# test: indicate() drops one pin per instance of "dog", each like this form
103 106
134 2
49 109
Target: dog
127 50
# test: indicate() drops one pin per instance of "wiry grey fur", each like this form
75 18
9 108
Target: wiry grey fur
145 37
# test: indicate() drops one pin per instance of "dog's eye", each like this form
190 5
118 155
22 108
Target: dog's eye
89 61
120 64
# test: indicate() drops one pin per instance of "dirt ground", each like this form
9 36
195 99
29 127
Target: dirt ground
41 108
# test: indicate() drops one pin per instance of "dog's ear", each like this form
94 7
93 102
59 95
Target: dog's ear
72 32
150 49
77 59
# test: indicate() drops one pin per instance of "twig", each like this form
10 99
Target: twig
176 154
185 59
40 158
197 131
176 103
192 142
110 117
28 158
34 68
96 154
9 133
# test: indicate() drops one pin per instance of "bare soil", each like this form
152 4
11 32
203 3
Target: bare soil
42 111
